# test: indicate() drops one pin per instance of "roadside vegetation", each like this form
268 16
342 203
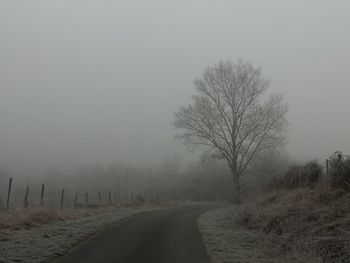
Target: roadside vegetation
304 216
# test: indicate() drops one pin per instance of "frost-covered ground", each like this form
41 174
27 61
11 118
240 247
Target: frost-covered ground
46 242
297 225
228 243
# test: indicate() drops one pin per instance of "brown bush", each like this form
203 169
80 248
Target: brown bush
292 176
310 173
298 176
340 170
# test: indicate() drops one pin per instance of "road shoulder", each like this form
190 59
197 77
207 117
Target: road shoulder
227 243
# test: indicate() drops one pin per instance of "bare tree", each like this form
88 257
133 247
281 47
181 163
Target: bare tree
231 115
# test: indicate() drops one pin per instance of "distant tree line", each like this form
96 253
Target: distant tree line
117 185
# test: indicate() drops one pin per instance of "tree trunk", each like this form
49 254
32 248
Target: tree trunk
236 188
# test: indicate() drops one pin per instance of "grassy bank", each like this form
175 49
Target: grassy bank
300 225
304 222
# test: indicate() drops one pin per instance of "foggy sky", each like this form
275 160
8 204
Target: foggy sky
98 81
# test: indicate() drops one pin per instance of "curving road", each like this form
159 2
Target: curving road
167 236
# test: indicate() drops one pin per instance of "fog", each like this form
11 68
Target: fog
86 82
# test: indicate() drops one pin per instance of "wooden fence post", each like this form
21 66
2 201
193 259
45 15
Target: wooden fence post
99 198
25 203
42 195
62 199
109 198
76 200
115 199
8 195
87 198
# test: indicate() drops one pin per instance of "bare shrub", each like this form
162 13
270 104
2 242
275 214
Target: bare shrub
292 176
311 173
340 170
299 176
276 182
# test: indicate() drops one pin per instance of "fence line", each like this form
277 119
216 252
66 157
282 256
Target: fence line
60 202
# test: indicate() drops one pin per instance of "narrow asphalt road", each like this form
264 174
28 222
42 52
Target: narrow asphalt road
167 236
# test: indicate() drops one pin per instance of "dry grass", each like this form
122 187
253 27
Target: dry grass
26 218
303 225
